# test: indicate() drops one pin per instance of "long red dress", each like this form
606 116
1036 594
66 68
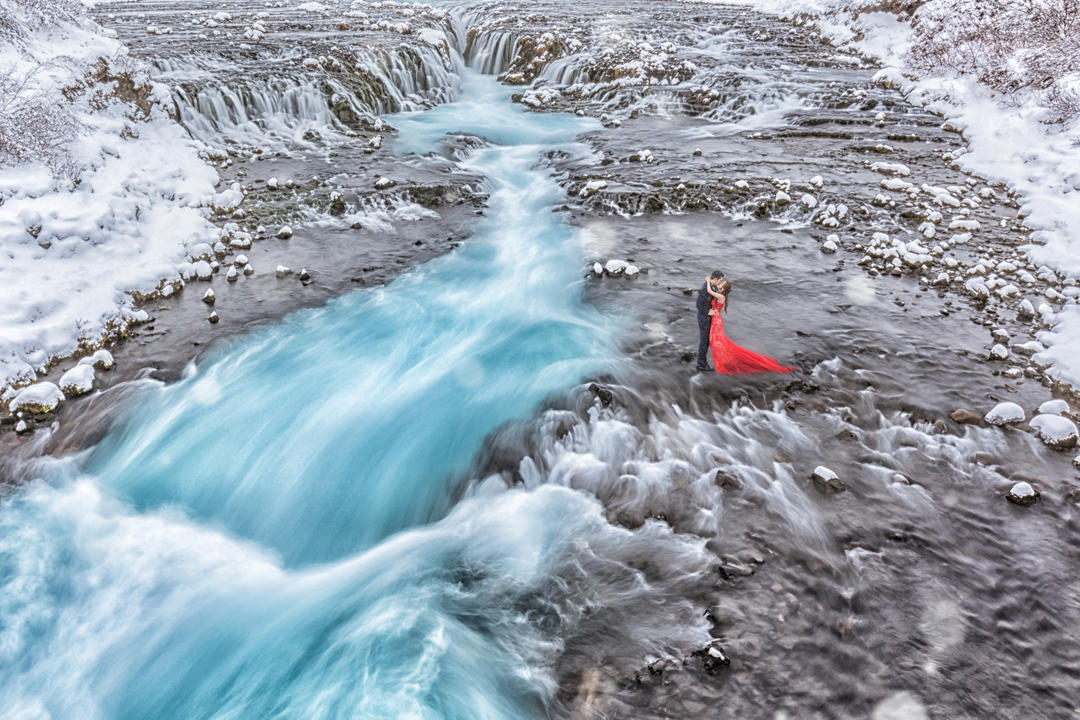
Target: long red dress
730 359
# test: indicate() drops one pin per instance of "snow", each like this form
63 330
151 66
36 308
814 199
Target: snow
1005 413
1054 407
73 251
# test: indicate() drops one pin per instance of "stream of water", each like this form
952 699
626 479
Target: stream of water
170 574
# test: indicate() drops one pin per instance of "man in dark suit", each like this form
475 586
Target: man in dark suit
704 320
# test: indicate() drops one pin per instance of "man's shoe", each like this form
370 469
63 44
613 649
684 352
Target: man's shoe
703 369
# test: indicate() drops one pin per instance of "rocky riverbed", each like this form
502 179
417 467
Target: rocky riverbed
855 536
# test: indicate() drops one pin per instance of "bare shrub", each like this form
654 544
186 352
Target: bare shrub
1011 46
35 125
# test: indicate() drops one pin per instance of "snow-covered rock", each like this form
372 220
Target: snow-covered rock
592 187
203 271
782 198
102 359
1057 431
384 182
1022 493
597 269
285 232
37 399
249 270
233 275
79 380
282 271
826 480
209 297
999 352
1054 407
615 268
1004 414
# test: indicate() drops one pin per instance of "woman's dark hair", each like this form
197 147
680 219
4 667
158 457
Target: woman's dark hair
725 290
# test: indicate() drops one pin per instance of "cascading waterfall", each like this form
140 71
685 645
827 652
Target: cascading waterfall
252 110
276 535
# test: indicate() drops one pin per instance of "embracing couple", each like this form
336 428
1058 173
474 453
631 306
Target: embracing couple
728 358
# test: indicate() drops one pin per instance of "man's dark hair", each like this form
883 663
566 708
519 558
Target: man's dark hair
716 275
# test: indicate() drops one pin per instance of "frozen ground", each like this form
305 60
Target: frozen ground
1015 138
101 192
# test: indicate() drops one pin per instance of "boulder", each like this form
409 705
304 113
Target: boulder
282 271
826 481
1004 414
232 275
203 271
79 380
248 270
999 352
1022 493
963 416
713 657
208 297
1056 431
37 399
213 317
285 232
384 183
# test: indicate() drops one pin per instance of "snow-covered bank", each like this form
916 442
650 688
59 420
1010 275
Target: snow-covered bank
101 192
1019 137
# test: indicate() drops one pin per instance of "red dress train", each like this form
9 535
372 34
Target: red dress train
730 359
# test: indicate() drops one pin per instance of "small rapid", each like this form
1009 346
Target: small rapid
281 533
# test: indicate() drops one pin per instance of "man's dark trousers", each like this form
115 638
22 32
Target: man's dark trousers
704 324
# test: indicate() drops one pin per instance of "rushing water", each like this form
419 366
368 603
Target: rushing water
171 574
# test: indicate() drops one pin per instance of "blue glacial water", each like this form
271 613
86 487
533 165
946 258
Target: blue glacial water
275 536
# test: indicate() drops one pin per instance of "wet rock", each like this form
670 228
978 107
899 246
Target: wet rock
782 198
1076 462
77 381
727 481
213 317
713 657
592 187
826 481
304 275
1022 493
605 395
383 183
597 269
232 275
282 271
38 399
240 261
631 271
1004 414
828 247
285 232
1026 311
1056 431
248 270
963 416
999 352
23 427
208 297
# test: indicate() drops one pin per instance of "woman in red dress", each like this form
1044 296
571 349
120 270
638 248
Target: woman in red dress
729 358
